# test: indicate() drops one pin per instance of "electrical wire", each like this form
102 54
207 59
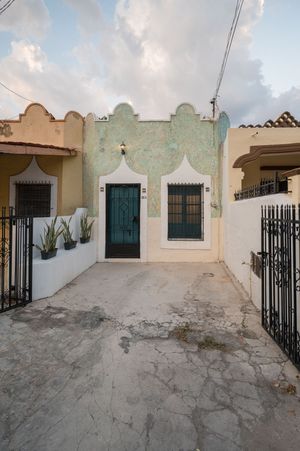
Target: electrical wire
14 92
237 13
6 6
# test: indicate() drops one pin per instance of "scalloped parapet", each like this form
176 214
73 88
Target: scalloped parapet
36 125
185 108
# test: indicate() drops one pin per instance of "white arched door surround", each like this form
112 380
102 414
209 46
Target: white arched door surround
123 175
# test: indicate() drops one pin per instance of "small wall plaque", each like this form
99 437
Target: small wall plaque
207 189
102 189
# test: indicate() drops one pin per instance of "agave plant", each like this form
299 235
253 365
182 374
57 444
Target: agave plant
66 232
85 227
51 234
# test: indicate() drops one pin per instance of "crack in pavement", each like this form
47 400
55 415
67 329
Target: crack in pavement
201 375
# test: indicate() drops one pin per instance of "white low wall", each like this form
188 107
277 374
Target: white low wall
242 234
51 275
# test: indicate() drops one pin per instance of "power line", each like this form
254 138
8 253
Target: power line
14 92
237 12
6 6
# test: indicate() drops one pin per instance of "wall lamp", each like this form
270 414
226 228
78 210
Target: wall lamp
123 148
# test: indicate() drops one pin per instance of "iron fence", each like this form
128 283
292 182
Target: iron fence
280 244
16 234
264 188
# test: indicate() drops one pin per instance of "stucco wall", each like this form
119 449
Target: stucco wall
242 234
241 139
157 254
51 275
241 219
253 171
11 165
38 126
155 149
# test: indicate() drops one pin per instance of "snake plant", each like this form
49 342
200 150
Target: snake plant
66 232
85 227
50 236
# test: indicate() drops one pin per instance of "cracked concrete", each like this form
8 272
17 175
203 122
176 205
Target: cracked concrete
167 357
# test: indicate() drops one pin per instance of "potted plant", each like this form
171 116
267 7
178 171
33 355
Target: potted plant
85 229
48 241
69 243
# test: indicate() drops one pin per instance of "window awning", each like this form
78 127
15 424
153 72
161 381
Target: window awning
22 148
266 150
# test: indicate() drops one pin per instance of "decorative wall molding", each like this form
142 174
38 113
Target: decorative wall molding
123 174
187 175
34 174
267 149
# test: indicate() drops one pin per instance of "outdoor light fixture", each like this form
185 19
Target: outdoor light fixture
123 147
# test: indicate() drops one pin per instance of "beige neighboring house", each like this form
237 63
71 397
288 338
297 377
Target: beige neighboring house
261 168
262 153
41 162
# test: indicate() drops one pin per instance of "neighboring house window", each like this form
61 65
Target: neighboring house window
33 199
185 212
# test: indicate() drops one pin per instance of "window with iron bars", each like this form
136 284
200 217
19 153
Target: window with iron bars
185 212
33 199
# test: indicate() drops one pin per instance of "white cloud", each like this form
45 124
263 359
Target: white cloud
89 15
26 19
28 54
163 52
27 71
155 54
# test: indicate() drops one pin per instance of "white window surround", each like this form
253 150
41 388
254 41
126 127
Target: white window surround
34 174
123 174
187 175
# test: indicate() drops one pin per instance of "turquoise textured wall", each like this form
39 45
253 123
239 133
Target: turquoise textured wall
154 148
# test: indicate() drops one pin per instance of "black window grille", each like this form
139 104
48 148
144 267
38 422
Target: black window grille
33 199
185 212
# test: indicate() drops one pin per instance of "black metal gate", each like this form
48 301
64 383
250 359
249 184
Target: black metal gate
15 260
280 232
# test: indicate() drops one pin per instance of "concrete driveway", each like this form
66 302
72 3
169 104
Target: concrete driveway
157 357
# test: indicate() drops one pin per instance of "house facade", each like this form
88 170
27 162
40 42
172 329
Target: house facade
261 168
155 186
41 163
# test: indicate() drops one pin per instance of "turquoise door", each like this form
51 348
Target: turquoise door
122 221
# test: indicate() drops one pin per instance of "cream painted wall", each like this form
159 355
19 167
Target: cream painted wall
157 254
294 188
241 219
241 139
253 172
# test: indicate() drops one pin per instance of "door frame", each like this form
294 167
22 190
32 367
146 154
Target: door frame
123 175
133 249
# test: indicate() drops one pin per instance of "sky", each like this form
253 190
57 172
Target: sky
90 55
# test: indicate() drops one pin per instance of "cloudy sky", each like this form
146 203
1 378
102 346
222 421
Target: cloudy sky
89 55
